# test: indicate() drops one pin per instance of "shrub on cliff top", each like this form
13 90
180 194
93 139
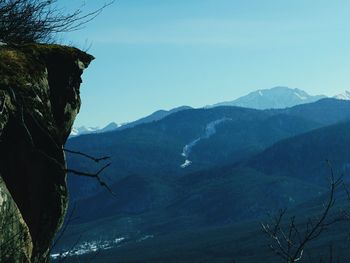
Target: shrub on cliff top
32 21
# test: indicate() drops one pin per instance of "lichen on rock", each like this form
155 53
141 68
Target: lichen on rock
39 100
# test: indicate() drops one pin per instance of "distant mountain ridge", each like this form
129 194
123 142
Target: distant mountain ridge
155 116
343 96
76 131
83 130
274 98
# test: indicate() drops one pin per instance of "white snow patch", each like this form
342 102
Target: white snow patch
343 96
210 130
186 163
74 132
187 149
145 237
88 247
300 96
92 129
118 240
260 93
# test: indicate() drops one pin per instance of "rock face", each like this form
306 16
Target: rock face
39 100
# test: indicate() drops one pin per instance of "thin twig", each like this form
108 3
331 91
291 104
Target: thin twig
87 156
94 175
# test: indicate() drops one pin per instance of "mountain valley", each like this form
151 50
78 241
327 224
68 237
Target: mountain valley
241 164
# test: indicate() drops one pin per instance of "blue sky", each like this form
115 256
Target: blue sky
160 54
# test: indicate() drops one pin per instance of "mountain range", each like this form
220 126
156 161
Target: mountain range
274 98
76 131
204 174
155 116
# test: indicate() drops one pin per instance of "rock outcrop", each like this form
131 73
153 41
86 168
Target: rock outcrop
39 100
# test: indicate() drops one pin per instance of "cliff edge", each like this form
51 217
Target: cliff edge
39 100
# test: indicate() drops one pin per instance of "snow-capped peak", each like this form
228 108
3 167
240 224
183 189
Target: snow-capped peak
274 98
343 96
76 131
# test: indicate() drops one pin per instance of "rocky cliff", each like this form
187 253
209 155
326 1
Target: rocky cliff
39 100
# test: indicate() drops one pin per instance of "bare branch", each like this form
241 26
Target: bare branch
94 175
30 21
87 156
290 242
